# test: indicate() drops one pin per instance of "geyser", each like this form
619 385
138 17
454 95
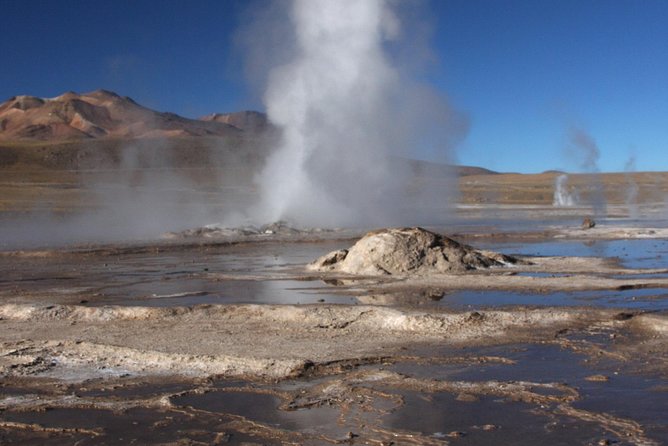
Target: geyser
349 118
562 196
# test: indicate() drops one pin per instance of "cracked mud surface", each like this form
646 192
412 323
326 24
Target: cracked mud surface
215 343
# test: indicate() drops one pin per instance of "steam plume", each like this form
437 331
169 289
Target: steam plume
631 197
347 115
586 149
562 196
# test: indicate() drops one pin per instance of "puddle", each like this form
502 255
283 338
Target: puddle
639 299
632 253
264 408
649 299
255 406
61 418
622 395
640 276
488 420
535 363
135 389
377 410
541 274
133 426
226 292
174 278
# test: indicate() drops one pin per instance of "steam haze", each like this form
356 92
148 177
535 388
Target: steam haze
585 148
348 115
632 189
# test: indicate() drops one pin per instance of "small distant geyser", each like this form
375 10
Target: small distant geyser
408 251
562 196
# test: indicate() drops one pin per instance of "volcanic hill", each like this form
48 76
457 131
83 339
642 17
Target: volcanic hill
104 114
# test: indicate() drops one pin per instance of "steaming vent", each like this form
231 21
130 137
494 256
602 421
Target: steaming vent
348 113
562 196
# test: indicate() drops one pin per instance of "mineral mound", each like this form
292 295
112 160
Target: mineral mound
408 251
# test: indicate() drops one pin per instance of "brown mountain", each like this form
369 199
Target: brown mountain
99 114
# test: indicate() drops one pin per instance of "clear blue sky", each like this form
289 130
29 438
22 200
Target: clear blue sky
523 71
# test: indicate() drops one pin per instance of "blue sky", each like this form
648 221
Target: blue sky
524 72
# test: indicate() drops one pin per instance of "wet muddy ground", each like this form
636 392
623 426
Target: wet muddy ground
236 343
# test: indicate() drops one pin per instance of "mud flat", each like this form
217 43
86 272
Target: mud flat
154 344
338 357
254 342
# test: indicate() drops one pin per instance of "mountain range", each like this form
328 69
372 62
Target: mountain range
104 114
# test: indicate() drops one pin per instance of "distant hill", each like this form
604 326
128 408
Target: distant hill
428 168
99 114
252 121
465 171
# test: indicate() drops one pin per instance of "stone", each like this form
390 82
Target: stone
588 223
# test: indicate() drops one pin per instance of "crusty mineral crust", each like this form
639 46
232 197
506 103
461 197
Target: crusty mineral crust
408 251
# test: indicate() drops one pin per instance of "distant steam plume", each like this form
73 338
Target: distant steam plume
631 196
586 150
347 116
563 197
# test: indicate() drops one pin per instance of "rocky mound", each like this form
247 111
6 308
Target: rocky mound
408 251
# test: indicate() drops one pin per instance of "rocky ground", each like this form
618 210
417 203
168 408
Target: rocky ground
79 370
